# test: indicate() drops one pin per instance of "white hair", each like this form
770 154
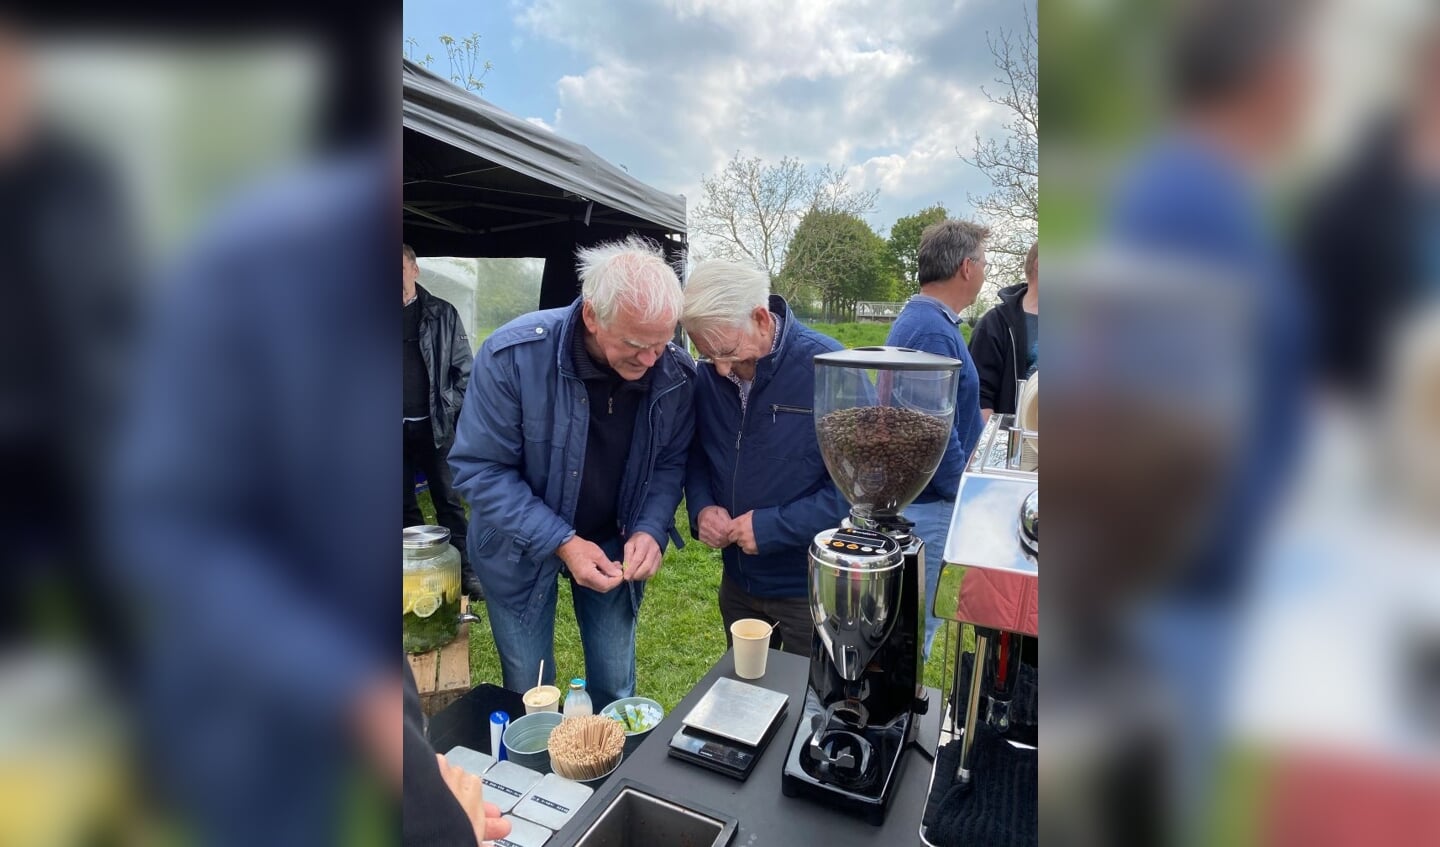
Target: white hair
723 294
632 275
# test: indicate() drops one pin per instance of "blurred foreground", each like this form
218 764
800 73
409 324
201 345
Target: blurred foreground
1243 423
192 364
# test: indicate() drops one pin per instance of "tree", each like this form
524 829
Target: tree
1012 208
839 257
464 56
749 211
904 245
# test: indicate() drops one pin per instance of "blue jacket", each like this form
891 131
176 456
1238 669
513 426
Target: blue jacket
1185 199
923 325
766 459
520 449
255 603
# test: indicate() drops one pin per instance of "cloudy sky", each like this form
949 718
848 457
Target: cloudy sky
671 89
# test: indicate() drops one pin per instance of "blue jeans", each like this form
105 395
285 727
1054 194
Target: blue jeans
607 634
932 525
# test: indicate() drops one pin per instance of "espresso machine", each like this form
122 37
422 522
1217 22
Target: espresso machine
883 417
990 580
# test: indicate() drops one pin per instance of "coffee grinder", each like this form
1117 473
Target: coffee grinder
883 417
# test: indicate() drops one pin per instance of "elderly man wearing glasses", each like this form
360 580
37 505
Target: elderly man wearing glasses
756 486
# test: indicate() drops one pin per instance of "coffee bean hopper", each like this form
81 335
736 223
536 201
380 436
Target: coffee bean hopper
883 417
990 580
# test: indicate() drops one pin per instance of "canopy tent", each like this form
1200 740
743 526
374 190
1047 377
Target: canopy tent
480 182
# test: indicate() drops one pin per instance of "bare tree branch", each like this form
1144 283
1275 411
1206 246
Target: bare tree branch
750 209
1012 208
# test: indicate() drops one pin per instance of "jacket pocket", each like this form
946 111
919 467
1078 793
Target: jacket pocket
778 409
790 434
495 548
537 429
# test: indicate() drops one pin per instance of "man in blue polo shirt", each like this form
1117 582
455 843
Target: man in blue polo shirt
952 271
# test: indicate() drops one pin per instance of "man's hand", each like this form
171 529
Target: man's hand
642 557
713 526
469 790
742 532
589 564
379 718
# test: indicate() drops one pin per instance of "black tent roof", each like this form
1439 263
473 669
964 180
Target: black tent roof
482 182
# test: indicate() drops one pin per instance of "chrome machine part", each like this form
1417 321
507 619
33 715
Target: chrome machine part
855 584
972 702
1030 523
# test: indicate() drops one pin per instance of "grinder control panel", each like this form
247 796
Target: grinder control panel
848 543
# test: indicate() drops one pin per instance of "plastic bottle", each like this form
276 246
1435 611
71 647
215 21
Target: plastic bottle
577 702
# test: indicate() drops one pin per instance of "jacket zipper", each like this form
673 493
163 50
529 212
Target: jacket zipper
649 466
777 408
734 480
1014 362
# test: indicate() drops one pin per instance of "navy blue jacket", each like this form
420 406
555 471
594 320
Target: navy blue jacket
923 325
256 603
520 449
766 459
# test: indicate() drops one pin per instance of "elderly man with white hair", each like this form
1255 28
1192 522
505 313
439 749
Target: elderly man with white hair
571 450
756 487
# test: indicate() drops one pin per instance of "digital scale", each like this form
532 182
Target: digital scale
730 727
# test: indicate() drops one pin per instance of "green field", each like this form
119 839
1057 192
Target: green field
866 334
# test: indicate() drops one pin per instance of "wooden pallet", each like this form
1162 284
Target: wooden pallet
443 675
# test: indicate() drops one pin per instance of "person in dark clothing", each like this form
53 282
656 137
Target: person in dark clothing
1368 270
443 806
613 402
756 486
66 335
437 369
1006 342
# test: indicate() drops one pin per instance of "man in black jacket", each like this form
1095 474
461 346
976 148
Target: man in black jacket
1006 342
437 369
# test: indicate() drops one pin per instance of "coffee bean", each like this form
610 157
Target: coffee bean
881 457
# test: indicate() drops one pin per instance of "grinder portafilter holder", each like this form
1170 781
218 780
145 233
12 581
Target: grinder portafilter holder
883 418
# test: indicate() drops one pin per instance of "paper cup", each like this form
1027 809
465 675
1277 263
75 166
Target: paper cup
752 645
542 698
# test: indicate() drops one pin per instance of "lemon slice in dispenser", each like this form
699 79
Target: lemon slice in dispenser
426 605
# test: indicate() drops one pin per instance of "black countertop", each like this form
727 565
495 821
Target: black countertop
766 815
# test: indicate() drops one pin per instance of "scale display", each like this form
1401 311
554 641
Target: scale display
730 758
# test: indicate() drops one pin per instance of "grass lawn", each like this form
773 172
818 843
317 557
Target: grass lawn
866 334
855 334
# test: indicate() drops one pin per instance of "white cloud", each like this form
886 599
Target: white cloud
540 122
889 89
